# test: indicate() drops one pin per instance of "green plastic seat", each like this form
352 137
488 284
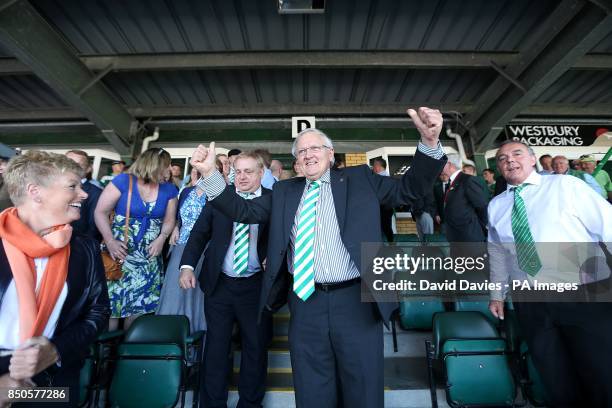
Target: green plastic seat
482 306
478 373
460 325
406 238
435 238
418 315
152 365
474 359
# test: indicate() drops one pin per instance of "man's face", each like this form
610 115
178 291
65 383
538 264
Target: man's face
248 175
81 161
3 165
225 162
489 177
560 165
377 167
177 171
588 167
515 163
546 162
313 157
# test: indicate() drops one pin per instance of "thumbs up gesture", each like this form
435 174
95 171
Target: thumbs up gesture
203 159
429 124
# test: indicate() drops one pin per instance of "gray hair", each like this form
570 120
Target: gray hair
36 167
454 159
326 140
507 142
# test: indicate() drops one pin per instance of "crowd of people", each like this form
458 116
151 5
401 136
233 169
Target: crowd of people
237 215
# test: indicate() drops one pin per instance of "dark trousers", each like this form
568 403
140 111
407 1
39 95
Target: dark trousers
571 346
235 300
336 345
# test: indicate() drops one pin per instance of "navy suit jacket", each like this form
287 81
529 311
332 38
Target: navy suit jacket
465 211
358 194
215 228
86 225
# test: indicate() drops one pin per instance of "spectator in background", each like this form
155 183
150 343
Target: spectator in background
546 163
423 211
489 177
225 165
339 162
151 221
439 191
231 155
5 155
297 169
469 169
174 300
379 166
465 207
575 164
86 224
176 170
276 167
117 166
268 179
588 164
49 326
560 165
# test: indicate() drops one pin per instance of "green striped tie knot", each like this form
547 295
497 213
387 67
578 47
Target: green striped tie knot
526 252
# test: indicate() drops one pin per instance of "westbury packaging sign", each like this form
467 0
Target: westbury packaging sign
561 135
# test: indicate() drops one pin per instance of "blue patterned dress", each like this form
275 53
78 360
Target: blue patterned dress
138 290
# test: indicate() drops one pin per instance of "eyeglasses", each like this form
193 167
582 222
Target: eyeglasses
313 149
160 151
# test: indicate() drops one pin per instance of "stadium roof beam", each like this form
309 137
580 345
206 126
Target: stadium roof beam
32 40
573 28
303 59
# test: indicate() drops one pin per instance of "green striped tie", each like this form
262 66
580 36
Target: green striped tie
527 255
241 244
303 260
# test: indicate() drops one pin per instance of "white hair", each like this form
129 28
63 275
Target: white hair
454 159
326 140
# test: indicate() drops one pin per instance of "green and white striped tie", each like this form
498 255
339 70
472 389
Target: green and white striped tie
303 259
527 255
241 244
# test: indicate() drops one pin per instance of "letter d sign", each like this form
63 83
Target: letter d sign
299 123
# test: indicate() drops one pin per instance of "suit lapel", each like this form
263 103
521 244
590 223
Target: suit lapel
338 185
294 194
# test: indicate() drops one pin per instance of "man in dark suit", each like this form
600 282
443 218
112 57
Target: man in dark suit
231 280
317 225
86 224
465 206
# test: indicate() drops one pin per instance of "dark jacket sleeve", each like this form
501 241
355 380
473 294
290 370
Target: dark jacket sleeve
72 342
474 195
198 238
94 195
255 211
415 183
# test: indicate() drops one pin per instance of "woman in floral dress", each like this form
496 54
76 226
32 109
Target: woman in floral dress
151 220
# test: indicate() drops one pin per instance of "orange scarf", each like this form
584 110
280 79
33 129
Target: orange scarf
22 246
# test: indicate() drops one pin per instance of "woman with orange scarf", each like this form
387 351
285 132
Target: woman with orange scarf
53 296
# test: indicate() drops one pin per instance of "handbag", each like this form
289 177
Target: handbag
112 267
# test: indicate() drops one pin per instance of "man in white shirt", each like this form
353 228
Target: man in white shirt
571 343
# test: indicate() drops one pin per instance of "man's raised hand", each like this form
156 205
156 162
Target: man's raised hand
429 124
203 159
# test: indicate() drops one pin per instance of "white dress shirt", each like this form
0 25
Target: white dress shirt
560 210
9 310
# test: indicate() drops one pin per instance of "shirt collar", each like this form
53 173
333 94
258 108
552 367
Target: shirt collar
256 193
533 178
453 176
325 178
84 180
